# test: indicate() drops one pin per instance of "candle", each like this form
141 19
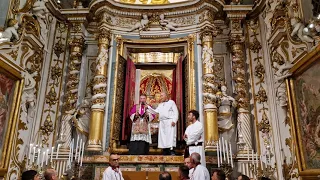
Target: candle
75 157
42 160
47 156
82 154
79 155
38 157
220 152
30 149
261 162
58 151
223 150
218 155
252 157
248 154
226 143
34 154
72 148
231 158
51 154
257 160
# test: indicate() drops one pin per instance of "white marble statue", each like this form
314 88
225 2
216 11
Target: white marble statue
300 30
28 98
40 11
142 24
10 31
102 58
166 23
225 116
83 116
280 75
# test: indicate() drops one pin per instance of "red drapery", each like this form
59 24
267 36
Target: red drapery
128 99
177 95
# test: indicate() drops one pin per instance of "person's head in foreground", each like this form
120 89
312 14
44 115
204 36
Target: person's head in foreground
195 159
30 175
193 116
114 160
183 172
218 174
187 162
165 176
243 177
50 174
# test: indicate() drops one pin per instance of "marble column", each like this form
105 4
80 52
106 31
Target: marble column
71 95
99 91
210 88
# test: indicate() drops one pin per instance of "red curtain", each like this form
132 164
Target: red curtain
177 95
128 99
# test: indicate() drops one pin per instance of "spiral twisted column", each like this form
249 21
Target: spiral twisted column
99 91
237 14
210 88
73 78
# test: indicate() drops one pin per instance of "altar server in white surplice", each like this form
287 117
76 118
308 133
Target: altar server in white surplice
198 172
113 172
168 116
194 136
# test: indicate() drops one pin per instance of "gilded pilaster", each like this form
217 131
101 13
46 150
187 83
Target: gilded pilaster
210 88
236 14
99 91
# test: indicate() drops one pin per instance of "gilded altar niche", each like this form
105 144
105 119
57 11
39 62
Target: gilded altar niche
151 73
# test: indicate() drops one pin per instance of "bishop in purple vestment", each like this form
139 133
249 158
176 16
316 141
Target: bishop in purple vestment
140 133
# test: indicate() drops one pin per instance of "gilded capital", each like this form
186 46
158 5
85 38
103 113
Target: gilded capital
103 36
207 33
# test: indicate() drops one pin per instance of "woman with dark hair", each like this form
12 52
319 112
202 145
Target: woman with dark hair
30 175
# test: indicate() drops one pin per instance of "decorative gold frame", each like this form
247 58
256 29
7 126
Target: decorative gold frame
300 67
14 114
191 100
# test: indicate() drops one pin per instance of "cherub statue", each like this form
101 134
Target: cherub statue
280 75
300 30
10 31
166 23
142 25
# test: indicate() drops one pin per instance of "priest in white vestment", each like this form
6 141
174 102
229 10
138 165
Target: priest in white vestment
113 172
198 172
168 117
194 136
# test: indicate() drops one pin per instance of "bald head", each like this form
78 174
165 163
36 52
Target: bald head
195 159
50 174
164 97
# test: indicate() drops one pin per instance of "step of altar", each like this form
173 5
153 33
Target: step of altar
144 166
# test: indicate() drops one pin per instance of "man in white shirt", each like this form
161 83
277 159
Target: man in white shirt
198 172
113 172
193 136
168 116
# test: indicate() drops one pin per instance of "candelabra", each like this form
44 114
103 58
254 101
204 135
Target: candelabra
227 169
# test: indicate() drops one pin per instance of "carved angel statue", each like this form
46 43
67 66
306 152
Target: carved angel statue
40 11
166 23
280 75
300 30
82 120
207 57
28 98
225 116
10 31
142 25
